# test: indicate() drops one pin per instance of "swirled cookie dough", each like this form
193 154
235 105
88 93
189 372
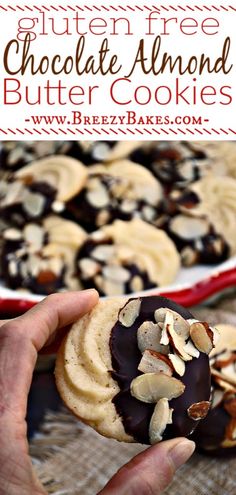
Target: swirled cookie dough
137 369
127 256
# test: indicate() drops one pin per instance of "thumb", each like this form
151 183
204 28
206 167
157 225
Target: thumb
150 472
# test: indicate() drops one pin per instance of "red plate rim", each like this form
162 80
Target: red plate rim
190 296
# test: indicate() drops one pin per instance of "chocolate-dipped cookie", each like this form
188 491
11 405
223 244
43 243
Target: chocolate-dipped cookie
127 257
122 190
40 257
216 435
137 369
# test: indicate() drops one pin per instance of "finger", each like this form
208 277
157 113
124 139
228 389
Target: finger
53 313
23 337
150 472
3 322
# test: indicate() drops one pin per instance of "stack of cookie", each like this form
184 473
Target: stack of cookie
125 215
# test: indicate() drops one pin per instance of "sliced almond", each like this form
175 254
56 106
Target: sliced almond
181 325
33 203
168 322
189 228
136 284
229 373
99 198
198 410
13 268
151 387
113 288
149 336
34 235
129 206
202 337
159 421
130 312
191 349
103 218
178 364
155 362
177 342
116 273
12 234
88 267
103 252
217 397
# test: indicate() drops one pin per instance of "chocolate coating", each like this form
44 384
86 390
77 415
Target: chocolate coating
126 356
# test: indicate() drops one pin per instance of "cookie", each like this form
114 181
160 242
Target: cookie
40 257
64 174
137 370
127 256
216 435
215 199
121 190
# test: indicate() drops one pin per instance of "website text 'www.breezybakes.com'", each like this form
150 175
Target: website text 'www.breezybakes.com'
129 118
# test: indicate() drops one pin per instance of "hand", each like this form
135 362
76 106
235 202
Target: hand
20 341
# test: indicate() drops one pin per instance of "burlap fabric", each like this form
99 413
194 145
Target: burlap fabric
72 459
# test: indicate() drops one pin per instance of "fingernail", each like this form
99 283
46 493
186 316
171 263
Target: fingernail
181 452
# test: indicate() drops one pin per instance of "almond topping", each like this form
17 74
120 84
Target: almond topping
151 387
149 336
202 337
181 325
154 362
191 349
217 398
129 313
198 410
159 421
178 364
168 322
88 267
34 204
178 343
